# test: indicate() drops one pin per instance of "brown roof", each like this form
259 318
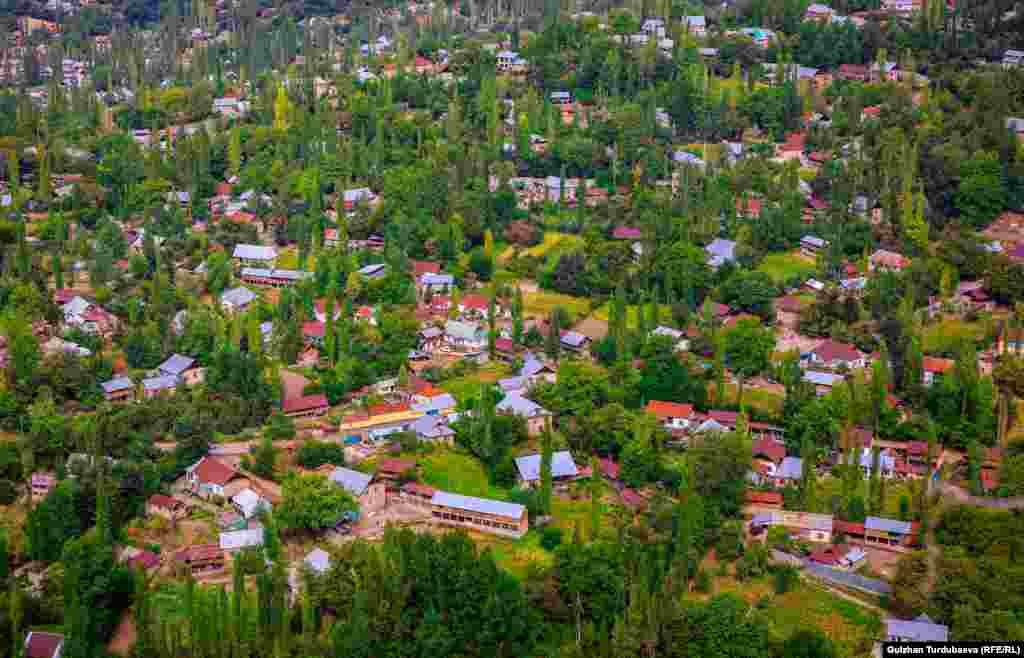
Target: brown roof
669 409
771 449
847 527
42 645
165 502
418 489
305 403
936 365
214 471
199 552
831 350
764 497
610 469
395 466
381 409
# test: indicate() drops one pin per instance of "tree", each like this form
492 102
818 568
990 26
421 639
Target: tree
218 273
808 643
312 502
982 192
808 476
235 150
719 467
751 291
545 471
748 349
265 458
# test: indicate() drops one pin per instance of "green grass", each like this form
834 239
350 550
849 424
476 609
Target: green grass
664 314
781 267
469 385
851 627
515 556
894 490
540 304
554 242
753 398
945 335
458 472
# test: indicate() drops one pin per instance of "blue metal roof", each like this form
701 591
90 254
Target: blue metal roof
480 505
888 525
562 465
351 481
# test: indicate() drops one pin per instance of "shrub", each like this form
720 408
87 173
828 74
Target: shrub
8 492
702 583
785 578
551 538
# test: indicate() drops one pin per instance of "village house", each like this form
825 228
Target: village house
307 406
823 382
233 541
574 341
237 299
854 72
563 468
166 506
272 278
464 336
480 514
374 271
210 477
254 255
249 503
680 341
819 12
159 385
811 245
200 559
42 484
433 429
804 525
371 496
119 389
434 284
537 417
1013 58
672 415
790 471
43 645
934 368
720 252
834 355
920 629
353 198
888 532
887 261
183 368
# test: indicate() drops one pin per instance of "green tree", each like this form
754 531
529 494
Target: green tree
545 471
312 502
748 349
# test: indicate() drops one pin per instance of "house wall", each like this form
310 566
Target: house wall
494 525
374 499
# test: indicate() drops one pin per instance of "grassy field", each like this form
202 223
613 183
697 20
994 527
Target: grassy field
462 387
764 401
851 627
540 304
664 314
553 242
945 335
781 267
894 490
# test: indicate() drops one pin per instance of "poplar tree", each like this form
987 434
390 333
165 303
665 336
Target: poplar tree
595 498
545 472
517 317
808 476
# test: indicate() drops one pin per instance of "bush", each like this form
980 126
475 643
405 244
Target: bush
785 578
314 454
8 492
551 538
702 583
250 561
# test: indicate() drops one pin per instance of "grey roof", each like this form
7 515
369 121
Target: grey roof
847 579
353 482
159 383
531 367
318 560
117 384
822 378
813 240
430 279
432 427
176 364
762 519
516 404
266 328
375 270
696 21
462 330
867 459
791 468
1015 124
431 332
710 425
562 466
267 273
574 339
686 157
254 252
888 525
513 383
855 283
237 539
77 306
720 251
922 629
480 505
668 332
238 297
436 403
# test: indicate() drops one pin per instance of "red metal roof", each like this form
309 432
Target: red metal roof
199 552
764 498
42 645
664 410
771 449
418 489
610 469
831 350
214 471
421 267
314 329
395 466
847 527
165 502
381 409
936 365
305 403
627 233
